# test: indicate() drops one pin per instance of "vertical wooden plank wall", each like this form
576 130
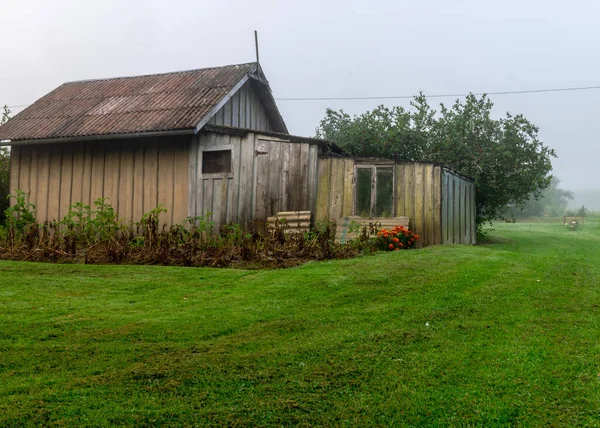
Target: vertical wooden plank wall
268 175
418 197
445 208
15 161
243 110
126 181
420 194
323 189
335 194
127 172
458 209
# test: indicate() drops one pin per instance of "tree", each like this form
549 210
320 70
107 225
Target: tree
4 170
504 156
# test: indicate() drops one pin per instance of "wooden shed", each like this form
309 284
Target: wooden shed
199 141
439 202
212 141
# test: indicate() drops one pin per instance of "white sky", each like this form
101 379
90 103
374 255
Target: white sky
332 48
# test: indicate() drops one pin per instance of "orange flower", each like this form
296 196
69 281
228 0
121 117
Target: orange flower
391 246
400 245
416 236
396 249
396 240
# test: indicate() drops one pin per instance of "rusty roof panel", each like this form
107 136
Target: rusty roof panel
160 102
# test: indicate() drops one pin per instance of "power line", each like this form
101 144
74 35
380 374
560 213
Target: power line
396 97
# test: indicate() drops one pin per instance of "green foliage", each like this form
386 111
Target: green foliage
96 235
353 227
150 224
504 156
21 215
87 225
4 170
578 212
204 225
5 115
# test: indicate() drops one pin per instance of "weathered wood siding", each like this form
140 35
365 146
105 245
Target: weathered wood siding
458 209
135 175
419 192
418 196
335 195
268 175
244 110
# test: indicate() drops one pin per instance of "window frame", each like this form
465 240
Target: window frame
227 147
373 168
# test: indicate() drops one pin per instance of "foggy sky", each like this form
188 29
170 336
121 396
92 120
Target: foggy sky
332 49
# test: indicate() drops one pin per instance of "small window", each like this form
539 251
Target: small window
363 191
374 191
384 196
216 162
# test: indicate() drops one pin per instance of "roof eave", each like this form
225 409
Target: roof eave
331 147
207 117
97 137
264 93
268 100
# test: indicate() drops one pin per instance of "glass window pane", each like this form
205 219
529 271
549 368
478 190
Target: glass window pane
214 162
384 194
363 192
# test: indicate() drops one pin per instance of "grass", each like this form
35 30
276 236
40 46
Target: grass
504 333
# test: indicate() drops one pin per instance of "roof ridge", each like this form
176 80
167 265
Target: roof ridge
156 74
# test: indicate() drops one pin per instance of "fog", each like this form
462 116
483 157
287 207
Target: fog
333 49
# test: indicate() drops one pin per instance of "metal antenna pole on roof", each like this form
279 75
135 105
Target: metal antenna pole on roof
257 60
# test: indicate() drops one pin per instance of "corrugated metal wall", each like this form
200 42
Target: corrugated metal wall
244 110
268 175
419 193
136 175
458 209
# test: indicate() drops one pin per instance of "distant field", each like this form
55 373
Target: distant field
555 220
505 333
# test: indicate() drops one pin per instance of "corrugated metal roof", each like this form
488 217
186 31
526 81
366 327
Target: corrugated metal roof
153 103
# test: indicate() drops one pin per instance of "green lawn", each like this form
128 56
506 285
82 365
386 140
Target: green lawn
500 334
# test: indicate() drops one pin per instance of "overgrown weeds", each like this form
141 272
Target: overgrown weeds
94 234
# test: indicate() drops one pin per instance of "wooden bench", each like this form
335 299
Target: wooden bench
344 234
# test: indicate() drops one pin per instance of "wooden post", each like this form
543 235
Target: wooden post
257 58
